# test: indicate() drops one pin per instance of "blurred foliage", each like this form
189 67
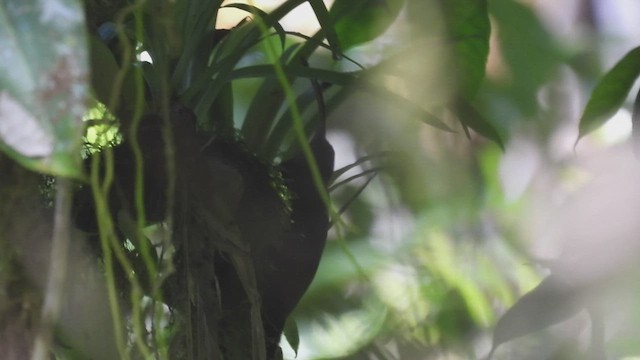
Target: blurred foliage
443 114
44 84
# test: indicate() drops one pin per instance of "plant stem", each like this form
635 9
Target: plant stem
57 269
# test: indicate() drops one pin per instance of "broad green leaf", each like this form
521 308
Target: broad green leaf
528 48
550 303
468 27
360 21
21 130
610 92
104 69
43 83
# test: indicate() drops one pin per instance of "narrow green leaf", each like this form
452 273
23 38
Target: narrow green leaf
221 112
328 26
314 42
360 21
610 92
263 110
237 43
468 27
469 116
370 173
282 138
330 76
282 135
44 80
262 113
339 172
196 21
258 12
308 47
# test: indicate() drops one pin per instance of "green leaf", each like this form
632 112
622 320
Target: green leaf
470 117
282 128
237 43
330 76
468 27
550 303
339 172
610 92
263 110
327 25
292 334
43 83
262 113
528 48
196 20
360 21
258 12
221 112
104 69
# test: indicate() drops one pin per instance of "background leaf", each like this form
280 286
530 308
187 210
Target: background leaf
326 23
528 48
551 302
104 69
468 27
43 83
359 21
469 116
292 334
610 92
196 21
258 12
